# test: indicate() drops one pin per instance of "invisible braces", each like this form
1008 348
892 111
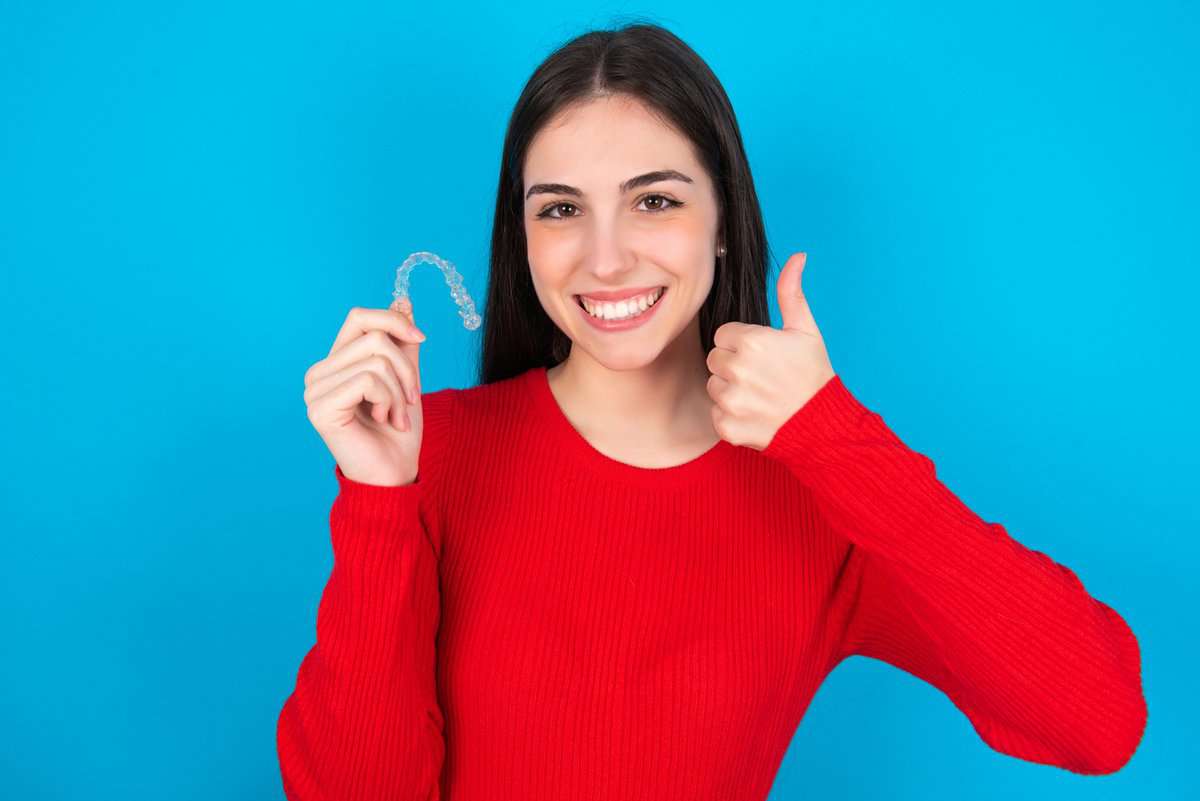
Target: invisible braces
466 307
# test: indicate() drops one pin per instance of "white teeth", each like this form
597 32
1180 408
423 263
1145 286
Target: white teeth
622 309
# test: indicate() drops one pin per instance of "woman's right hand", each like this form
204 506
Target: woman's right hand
357 396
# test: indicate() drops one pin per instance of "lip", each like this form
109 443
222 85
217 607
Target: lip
623 325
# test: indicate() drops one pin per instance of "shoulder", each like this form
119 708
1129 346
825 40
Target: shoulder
453 417
485 404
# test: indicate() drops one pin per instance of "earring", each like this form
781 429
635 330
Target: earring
721 250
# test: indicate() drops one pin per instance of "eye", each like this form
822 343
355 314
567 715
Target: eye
545 213
665 204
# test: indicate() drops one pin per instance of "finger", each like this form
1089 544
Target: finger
403 307
728 335
378 366
793 305
718 360
361 320
374 341
347 391
715 386
393 410
382 367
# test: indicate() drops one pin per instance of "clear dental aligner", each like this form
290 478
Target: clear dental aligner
466 307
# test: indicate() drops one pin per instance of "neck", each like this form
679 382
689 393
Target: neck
664 401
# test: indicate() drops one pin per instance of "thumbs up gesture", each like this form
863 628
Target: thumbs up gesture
762 376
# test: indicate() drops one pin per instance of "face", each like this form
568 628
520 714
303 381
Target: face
587 235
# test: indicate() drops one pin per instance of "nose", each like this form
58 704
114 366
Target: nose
610 256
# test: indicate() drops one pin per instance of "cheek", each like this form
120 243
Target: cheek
549 277
549 248
683 241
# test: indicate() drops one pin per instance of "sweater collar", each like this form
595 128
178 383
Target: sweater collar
565 438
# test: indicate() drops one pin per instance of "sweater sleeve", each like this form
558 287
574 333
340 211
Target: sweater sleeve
1043 671
363 721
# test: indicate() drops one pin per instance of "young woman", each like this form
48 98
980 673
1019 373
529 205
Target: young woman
621 566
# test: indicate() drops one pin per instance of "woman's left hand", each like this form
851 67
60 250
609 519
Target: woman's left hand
762 376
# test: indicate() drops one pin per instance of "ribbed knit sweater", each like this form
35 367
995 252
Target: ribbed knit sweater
532 619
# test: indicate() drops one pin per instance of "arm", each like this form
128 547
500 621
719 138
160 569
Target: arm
1043 671
364 721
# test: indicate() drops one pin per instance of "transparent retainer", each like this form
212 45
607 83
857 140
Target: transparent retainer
466 307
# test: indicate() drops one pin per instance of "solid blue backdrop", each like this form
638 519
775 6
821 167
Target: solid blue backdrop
997 202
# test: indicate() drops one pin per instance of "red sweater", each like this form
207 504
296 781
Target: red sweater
531 619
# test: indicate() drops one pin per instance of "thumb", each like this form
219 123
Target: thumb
793 306
404 308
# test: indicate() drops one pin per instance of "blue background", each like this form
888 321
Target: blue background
999 204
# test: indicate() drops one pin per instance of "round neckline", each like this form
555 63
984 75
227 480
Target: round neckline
578 448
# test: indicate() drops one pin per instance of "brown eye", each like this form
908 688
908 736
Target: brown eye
665 203
545 213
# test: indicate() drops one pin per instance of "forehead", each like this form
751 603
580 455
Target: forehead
602 142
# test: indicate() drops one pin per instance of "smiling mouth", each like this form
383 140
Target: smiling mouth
657 298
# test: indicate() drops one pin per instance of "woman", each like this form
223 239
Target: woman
622 565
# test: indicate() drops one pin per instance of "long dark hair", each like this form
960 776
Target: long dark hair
650 63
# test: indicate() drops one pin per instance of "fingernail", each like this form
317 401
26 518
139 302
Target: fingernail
420 335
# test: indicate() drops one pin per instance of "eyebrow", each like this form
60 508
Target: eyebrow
632 183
